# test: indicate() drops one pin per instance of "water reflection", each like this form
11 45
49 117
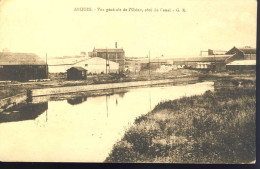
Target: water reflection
23 112
77 100
81 129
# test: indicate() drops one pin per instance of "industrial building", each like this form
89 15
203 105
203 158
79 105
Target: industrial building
22 67
242 65
61 64
112 54
97 65
245 53
94 65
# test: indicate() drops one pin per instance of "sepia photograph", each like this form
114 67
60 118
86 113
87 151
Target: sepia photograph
128 81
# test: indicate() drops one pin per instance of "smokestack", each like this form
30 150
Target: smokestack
116 44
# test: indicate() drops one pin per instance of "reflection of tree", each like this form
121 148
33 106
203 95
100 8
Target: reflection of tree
22 112
77 100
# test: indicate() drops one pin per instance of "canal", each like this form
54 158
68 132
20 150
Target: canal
80 129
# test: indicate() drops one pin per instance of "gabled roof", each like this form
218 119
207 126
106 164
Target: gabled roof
109 50
98 60
245 50
78 68
9 58
65 61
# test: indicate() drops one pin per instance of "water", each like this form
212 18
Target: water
80 129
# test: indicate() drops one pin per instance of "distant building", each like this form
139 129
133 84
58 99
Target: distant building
116 55
245 53
216 60
132 65
60 65
97 65
76 73
22 67
213 63
242 65
216 52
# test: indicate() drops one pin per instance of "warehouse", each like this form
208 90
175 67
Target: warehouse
22 67
97 65
245 53
242 65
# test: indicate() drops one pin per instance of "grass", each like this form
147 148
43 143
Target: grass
215 127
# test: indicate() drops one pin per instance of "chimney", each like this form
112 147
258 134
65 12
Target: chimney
116 44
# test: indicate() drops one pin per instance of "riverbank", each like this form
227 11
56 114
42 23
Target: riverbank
12 88
98 87
214 128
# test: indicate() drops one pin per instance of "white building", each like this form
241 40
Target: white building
98 65
92 65
61 65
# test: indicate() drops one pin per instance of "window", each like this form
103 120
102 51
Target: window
86 65
1 66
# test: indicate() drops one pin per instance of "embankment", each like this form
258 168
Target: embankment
83 88
214 128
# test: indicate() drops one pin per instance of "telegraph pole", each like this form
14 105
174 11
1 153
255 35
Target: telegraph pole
46 68
106 60
149 66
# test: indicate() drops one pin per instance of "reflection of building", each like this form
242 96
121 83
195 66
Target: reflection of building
77 100
22 67
23 112
76 73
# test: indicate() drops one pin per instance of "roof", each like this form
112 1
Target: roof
9 58
243 62
97 60
203 59
245 50
65 61
109 50
212 58
248 50
78 68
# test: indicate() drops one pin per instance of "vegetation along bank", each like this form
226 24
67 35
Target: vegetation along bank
216 127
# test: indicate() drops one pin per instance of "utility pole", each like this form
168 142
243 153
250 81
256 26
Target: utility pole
149 66
46 68
106 60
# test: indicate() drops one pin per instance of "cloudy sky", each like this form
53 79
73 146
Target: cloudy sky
41 26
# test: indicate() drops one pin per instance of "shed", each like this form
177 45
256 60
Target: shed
76 73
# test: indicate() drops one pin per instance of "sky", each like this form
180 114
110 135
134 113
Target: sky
55 28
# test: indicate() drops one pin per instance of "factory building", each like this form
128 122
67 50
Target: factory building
112 54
